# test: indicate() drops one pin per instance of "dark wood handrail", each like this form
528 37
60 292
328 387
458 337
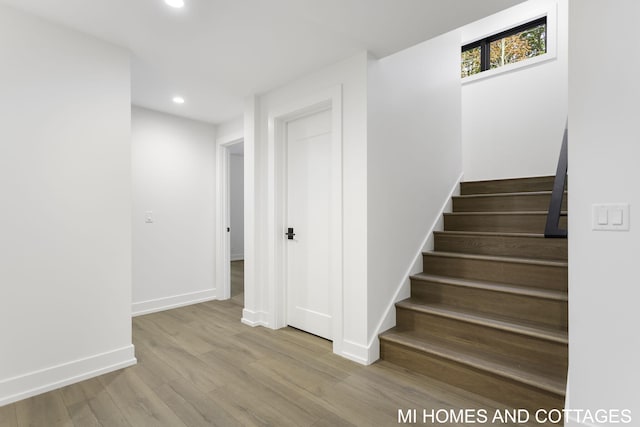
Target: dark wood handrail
555 206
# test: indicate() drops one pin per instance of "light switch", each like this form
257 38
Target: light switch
611 217
603 216
617 216
148 217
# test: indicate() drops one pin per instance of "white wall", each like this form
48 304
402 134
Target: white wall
173 177
414 161
236 206
230 130
513 122
406 151
603 168
253 313
65 222
351 75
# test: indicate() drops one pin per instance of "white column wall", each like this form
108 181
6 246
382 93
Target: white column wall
254 312
603 168
351 75
65 222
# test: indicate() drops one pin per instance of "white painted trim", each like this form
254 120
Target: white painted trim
276 204
54 377
254 318
388 319
355 352
223 240
251 290
175 301
373 348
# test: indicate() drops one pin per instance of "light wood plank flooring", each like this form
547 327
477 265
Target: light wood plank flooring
237 282
199 366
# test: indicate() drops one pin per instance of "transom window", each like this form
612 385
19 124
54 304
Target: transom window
507 47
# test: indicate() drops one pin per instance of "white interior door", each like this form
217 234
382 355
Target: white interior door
308 142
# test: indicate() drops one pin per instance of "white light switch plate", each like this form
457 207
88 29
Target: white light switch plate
148 217
611 217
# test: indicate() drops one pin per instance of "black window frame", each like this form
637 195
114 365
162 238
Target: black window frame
485 44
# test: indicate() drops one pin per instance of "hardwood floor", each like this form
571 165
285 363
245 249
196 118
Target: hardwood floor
199 366
237 282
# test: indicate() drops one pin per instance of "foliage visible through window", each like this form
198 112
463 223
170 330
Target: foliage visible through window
514 45
471 61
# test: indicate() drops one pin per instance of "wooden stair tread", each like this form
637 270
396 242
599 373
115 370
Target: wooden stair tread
519 193
502 213
508 243
480 360
496 322
516 260
489 311
508 185
490 233
496 287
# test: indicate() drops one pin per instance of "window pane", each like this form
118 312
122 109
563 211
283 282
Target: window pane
515 48
470 62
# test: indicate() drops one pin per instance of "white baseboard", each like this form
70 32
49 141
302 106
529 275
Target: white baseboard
237 257
175 301
356 352
41 381
373 349
403 290
254 318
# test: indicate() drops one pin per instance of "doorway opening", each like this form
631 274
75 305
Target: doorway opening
236 221
307 196
230 221
299 135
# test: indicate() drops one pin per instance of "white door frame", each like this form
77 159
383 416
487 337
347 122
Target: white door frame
223 220
330 99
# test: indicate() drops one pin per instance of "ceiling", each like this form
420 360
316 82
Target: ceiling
216 52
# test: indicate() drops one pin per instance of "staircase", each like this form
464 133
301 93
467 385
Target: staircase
489 312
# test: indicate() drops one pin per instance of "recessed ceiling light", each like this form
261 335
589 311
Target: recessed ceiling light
178 100
175 3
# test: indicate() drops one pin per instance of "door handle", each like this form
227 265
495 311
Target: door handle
290 233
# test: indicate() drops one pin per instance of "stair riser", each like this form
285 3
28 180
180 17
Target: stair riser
506 391
517 223
525 247
516 203
544 183
547 355
520 307
539 276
